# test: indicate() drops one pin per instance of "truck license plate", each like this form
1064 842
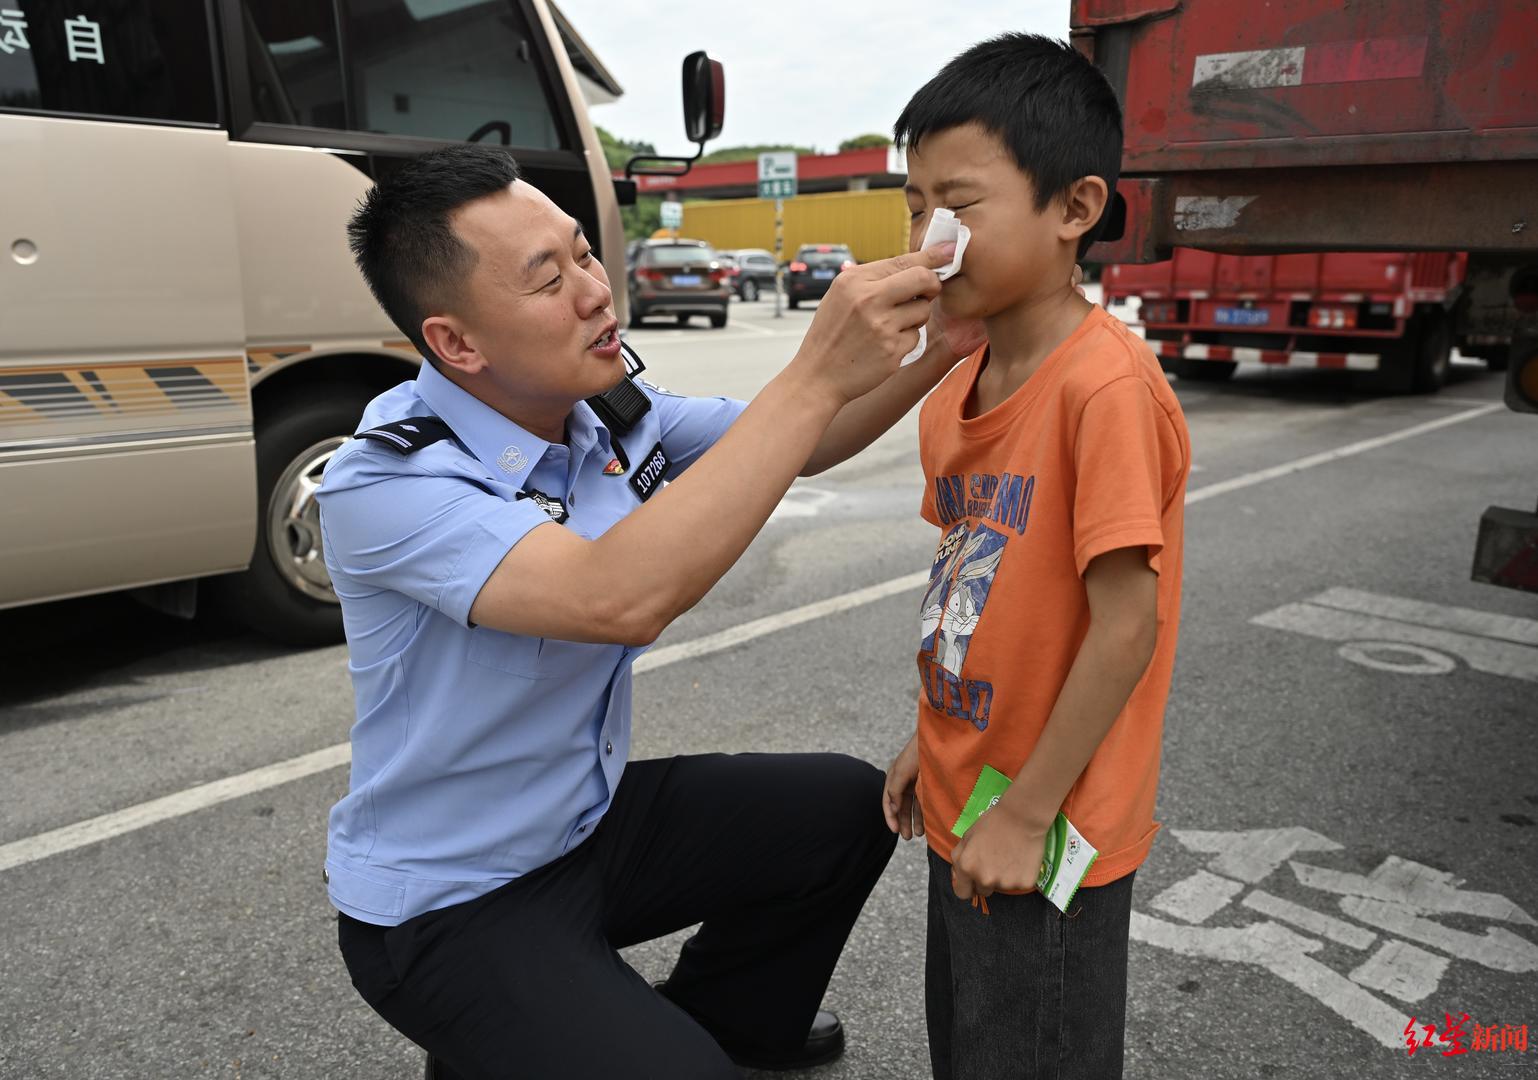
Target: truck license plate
1239 316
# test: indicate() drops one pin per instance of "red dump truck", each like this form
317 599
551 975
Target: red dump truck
1301 126
1396 316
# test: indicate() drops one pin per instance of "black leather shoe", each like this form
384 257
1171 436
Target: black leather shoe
437 1070
824 1043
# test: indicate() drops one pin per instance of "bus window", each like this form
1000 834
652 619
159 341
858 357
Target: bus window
447 69
296 72
135 59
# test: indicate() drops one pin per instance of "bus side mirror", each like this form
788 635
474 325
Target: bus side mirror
704 110
704 97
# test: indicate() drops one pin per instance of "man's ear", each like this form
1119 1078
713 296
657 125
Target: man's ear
1083 203
443 337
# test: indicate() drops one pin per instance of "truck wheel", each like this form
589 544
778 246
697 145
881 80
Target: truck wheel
1433 358
750 290
1204 370
286 592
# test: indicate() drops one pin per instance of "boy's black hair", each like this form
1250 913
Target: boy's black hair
1051 107
401 237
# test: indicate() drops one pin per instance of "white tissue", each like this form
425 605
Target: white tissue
943 228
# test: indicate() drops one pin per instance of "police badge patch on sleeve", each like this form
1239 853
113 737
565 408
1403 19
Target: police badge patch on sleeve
650 472
549 504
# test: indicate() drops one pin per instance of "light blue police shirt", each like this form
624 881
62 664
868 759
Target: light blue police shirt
478 756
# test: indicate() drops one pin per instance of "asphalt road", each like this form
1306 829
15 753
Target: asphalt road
1349 793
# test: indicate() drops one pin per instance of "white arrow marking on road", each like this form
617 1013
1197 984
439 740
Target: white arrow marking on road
1252 856
1498 948
1493 644
1285 954
1401 969
1413 885
1198 897
1326 926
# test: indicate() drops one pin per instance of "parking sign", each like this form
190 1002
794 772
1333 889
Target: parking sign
777 174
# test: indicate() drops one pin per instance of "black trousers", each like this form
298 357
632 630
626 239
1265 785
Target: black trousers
1026 992
773 854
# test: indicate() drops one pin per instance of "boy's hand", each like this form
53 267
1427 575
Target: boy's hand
1002 850
869 321
899 800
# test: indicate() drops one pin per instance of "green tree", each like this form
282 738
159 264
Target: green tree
642 219
749 153
861 142
617 151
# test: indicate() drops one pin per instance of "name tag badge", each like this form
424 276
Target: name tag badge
649 473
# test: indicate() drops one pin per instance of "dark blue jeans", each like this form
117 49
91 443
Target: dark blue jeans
1026 992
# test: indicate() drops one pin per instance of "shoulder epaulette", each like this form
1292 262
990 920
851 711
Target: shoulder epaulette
409 435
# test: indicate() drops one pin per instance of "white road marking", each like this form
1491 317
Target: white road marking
736 635
1414 885
1408 972
1443 616
1413 659
1260 476
69 837
1497 948
1197 898
1395 898
801 501
1252 856
1491 655
118 822
1326 926
1285 954
201 797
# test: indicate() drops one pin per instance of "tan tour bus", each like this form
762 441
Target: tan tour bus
184 340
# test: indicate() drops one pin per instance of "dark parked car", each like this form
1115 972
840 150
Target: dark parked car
811 272
679 277
755 273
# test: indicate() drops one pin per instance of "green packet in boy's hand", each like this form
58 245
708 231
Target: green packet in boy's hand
1065 859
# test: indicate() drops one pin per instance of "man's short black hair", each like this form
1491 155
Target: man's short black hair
401 237
1050 107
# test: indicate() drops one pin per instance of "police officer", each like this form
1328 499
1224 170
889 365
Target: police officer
504 547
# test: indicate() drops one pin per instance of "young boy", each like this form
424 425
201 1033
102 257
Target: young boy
1055 462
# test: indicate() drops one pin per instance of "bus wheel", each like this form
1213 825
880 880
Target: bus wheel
1204 370
286 592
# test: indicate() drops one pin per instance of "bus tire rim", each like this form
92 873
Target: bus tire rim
293 523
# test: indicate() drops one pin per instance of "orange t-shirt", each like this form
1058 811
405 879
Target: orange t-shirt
1091 454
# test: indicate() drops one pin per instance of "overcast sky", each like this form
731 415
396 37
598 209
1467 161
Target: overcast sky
809 72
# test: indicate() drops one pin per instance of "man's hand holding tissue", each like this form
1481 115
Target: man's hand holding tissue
876 310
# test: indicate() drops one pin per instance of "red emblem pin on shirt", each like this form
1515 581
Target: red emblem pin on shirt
614 468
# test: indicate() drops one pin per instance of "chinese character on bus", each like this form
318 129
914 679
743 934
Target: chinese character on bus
13 31
83 37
